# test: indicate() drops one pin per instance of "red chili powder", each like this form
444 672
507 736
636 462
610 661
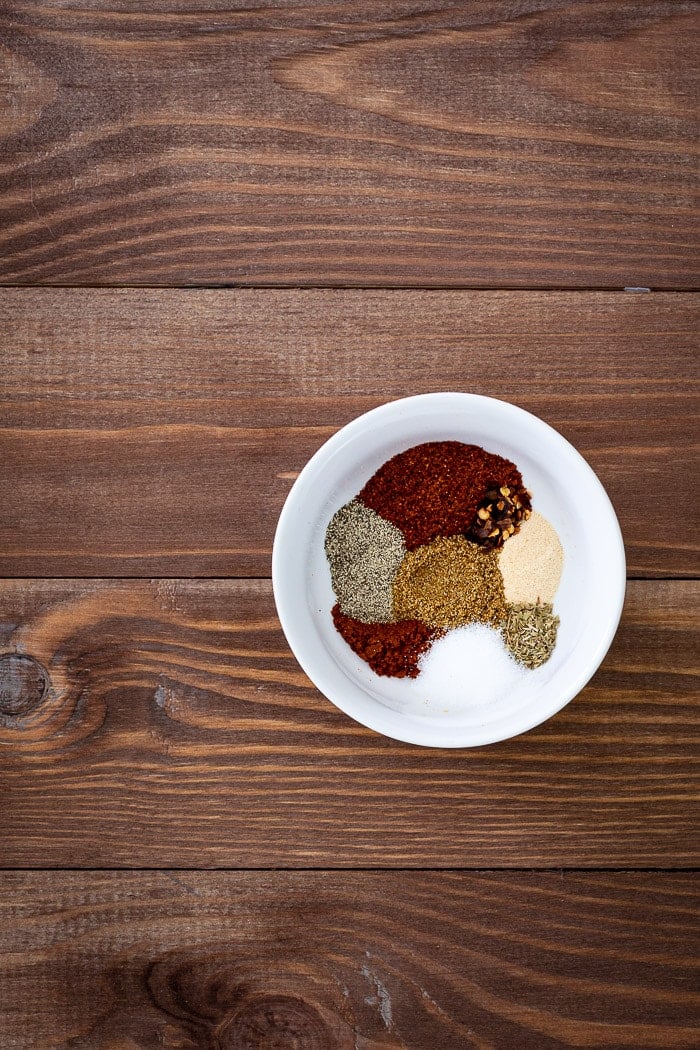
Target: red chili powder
434 489
392 649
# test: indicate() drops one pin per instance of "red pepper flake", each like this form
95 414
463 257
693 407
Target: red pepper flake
435 489
392 649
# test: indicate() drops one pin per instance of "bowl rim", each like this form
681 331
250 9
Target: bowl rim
389 722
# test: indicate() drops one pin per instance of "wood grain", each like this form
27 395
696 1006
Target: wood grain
178 730
531 144
347 961
159 432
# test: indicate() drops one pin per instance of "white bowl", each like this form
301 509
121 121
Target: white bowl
564 489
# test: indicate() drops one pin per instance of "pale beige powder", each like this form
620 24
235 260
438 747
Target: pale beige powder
531 562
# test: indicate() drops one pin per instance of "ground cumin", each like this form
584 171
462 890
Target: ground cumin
448 583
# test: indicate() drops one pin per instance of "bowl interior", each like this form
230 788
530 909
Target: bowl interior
564 489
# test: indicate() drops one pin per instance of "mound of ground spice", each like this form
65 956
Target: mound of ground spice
450 582
531 563
391 649
435 489
363 551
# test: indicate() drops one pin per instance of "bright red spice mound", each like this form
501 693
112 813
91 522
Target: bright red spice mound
389 648
434 489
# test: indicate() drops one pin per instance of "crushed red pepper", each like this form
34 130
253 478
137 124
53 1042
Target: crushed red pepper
434 489
392 649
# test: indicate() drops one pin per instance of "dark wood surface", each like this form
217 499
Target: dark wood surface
379 159
529 144
158 433
348 961
177 729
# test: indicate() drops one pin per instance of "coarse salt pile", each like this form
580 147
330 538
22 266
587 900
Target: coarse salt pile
466 668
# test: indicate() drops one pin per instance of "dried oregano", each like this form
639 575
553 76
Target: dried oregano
530 632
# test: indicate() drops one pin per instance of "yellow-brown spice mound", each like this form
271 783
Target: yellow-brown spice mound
449 582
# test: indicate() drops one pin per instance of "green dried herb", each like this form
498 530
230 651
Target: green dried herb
530 633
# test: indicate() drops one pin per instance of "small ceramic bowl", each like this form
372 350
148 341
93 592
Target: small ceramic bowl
564 489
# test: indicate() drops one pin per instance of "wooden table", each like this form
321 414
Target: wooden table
226 231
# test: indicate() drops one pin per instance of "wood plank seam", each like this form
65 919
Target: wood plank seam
178 729
555 148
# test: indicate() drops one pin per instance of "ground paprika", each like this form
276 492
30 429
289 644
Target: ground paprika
389 648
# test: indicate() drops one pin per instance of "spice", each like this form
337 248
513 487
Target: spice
530 632
389 648
499 515
422 551
449 582
467 668
364 551
435 489
531 562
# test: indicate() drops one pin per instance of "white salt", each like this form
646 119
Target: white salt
468 667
